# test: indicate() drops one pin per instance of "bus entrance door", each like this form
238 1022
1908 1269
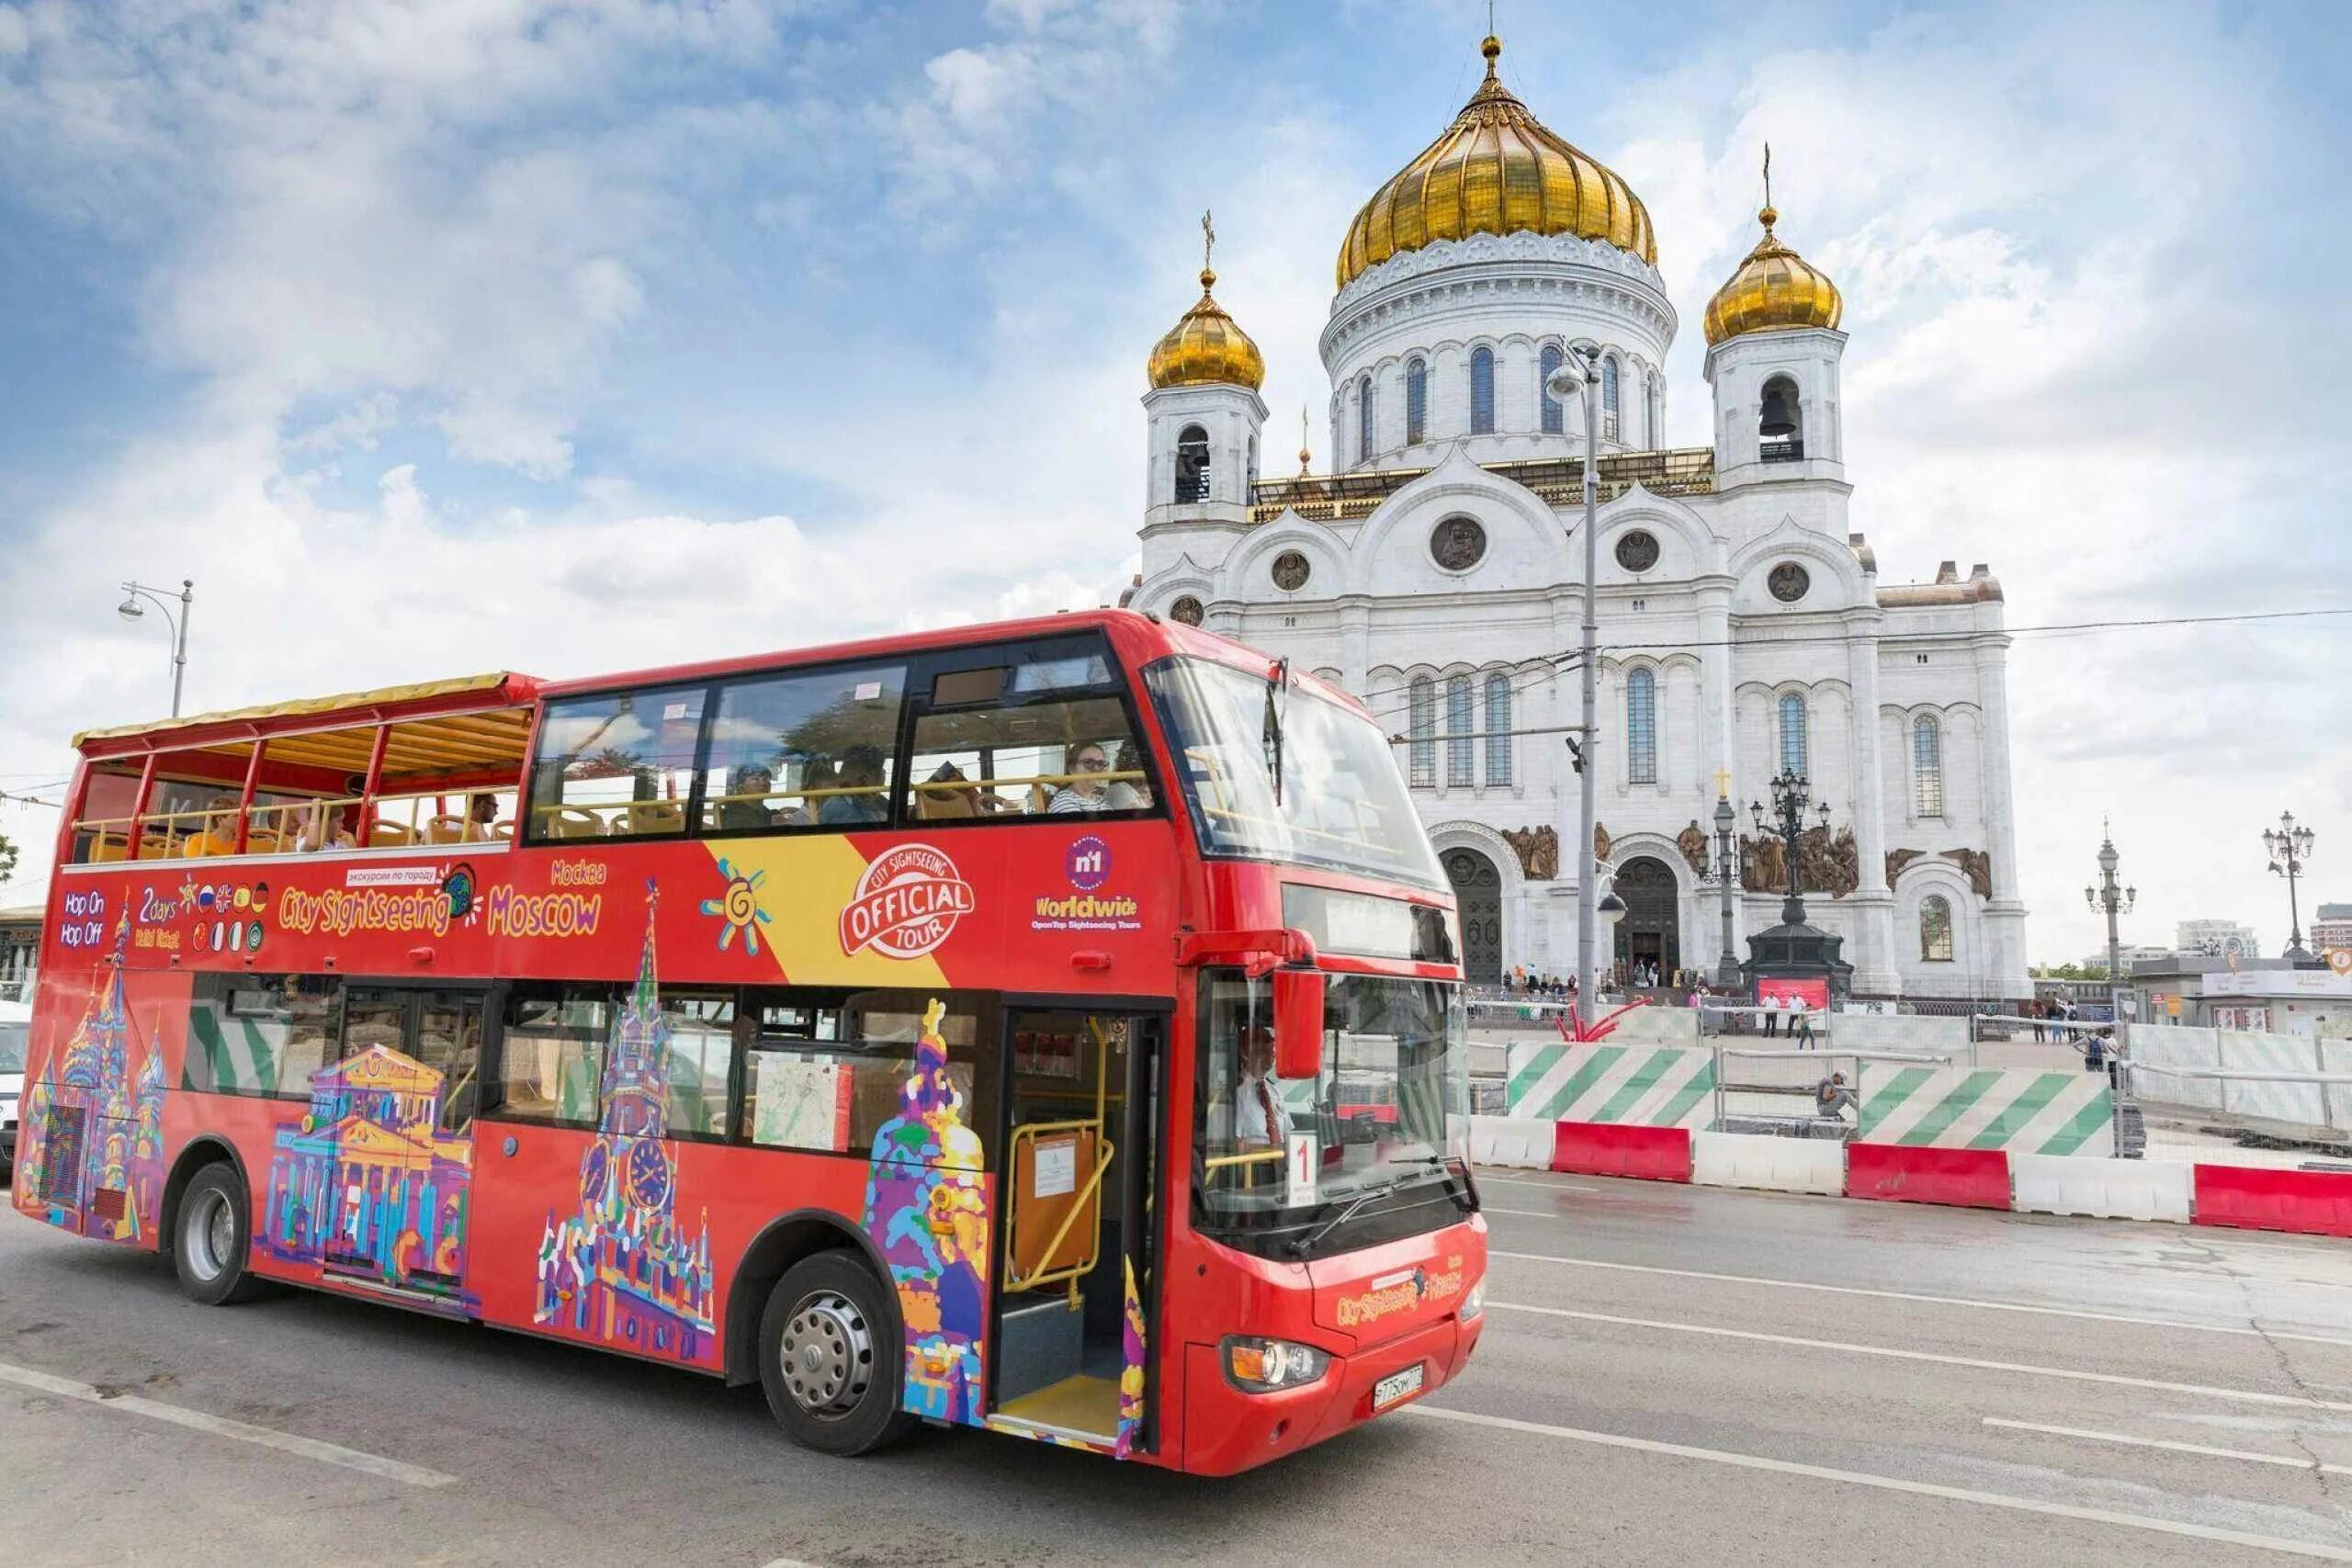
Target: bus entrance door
1074 1284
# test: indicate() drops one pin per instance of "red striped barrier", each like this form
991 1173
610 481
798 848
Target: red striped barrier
1606 1148
2311 1202
1968 1178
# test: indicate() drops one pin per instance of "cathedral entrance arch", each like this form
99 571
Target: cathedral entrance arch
1478 891
1651 932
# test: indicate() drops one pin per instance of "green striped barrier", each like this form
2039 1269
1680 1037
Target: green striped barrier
1632 1086
1955 1108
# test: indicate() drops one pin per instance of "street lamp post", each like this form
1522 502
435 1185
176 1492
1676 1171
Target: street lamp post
2290 851
1791 797
130 610
2105 895
1580 374
1727 875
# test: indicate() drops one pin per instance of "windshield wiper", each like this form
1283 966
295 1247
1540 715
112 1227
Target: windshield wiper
1306 1244
1453 1166
1270 736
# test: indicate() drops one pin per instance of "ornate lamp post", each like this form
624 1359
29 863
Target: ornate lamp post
2105 895
2290 851
130 610
1726 879
1791 797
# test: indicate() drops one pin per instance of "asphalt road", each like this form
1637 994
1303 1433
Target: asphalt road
1670 1375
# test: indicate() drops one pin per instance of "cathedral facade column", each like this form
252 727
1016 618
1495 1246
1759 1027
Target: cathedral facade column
1355 645
2005 971
1875 971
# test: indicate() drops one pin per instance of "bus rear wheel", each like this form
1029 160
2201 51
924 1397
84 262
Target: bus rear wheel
212 1238
830 1359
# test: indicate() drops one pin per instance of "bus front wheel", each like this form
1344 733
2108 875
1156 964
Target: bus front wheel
830 1359
212 1238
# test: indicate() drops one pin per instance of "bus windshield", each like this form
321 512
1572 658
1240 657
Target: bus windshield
1343 802
12 1047
1386 1119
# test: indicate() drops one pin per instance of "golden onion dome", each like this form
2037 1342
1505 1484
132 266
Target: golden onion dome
1774 289
1496 171
1206 347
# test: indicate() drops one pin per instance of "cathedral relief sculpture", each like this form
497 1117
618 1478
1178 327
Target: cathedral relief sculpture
1599 841
1637 551
1692 842
1290 571
1825 864
1187 610
1458 544
1978 866
1538 850
1897 860
1789 581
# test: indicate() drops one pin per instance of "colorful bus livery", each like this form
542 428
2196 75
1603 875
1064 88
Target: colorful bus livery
950 1028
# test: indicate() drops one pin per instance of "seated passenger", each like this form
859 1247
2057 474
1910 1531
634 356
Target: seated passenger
480 812
1128 794
219 834
322 828
861 771
1084 792
746 809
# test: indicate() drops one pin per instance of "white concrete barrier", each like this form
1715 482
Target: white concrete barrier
1516 1141
2102 1188
1777 1165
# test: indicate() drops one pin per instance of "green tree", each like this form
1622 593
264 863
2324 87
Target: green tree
7 857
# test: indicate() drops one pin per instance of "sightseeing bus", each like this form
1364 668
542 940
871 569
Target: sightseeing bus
1053 1027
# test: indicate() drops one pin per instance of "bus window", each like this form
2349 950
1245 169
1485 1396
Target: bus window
618 765
803 751
551 1056
828 1078
261 1034
701 1061
1030 758
102 830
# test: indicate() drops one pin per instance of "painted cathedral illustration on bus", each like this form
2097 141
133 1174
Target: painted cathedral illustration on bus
92 1154
623 1269
368 1186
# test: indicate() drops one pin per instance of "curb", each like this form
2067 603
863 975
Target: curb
2302 1203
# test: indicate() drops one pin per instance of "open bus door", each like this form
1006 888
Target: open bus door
1077 1244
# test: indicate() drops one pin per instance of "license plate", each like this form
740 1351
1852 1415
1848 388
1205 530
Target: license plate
1397 1386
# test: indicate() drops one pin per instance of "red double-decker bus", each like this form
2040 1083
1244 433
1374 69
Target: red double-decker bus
1051 1027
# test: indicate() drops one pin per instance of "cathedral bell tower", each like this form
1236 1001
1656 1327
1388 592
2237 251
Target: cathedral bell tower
1773 350
1206 417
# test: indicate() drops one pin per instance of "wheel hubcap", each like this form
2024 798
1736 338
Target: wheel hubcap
212 1235
828 1354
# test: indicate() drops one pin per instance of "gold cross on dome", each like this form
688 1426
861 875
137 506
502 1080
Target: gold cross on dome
1208 239
1723 782
1767 174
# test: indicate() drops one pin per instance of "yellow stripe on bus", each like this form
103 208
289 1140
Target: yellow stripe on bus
807 882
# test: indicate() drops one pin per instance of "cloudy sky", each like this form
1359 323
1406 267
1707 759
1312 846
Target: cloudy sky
432 336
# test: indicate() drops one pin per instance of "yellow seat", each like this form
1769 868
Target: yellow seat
572 822
657 816
108 846
445 827
385 831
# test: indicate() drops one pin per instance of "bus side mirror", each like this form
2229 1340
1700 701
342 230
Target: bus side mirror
1298 1024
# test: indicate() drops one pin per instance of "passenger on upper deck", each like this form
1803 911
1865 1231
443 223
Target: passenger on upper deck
746 808
480 812
1084 793
321 830
1128 794
860 771
219 834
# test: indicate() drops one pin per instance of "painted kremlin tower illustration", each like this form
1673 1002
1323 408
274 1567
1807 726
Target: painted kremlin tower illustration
93 1154
623 1271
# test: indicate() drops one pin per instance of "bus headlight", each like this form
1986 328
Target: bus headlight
1260 1366
1475 1303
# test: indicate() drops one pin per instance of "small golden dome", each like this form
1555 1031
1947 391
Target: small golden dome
1206 347
1774 289
1496 171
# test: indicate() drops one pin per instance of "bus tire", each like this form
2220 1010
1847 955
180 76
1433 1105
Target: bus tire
212 1237
831 1358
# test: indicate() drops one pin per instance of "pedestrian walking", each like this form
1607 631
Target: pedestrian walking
2039 1013
2094 1052
1801 1021
1771 1005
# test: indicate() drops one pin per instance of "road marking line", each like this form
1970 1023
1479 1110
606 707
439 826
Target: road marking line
1905 1295
2251 1396
2176 1447
1890 1484
222 1427
1523 1213
1486 1181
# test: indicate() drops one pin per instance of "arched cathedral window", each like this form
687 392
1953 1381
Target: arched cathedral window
1363 419
1461 723
1497 730
1935 928
1251 482
1794 748
1421 729
1611 425
1641 726
1928 765
1417 401
1482 391
1192 466
1555 420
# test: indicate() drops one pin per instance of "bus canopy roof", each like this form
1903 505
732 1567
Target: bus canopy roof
304 731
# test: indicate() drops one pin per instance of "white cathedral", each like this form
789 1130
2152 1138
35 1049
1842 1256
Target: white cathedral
1435 572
